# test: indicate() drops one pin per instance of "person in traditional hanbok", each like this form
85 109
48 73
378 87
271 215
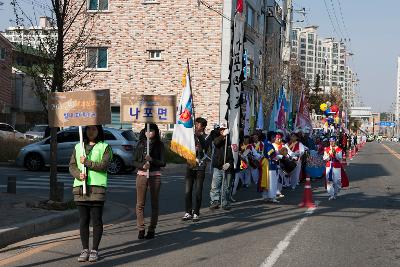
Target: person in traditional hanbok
269 179
278 145
244 173
296 150
333 157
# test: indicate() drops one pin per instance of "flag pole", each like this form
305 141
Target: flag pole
191 91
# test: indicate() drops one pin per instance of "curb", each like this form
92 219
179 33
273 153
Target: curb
23 231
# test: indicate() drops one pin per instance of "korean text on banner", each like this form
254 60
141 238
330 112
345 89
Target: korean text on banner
79 108
148 108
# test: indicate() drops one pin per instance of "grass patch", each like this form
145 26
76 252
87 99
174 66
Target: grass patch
10 148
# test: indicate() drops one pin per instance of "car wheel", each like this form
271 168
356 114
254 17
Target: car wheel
34 162
116 165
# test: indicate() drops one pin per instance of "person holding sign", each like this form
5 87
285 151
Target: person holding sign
148 161
92 171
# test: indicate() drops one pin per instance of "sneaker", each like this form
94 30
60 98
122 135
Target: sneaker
187 217
227 207
84 256
196 218
232 199
214 206
280 196
330 198
150 235
274 201
141 234
94 256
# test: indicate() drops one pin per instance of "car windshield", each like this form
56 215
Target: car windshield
129 135
39 128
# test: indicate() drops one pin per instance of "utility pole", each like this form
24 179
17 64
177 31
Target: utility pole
287 42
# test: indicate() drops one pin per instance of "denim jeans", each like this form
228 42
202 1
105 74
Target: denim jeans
217 187
194 178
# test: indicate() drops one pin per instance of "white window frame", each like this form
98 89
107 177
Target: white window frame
97 10
153 52
97 56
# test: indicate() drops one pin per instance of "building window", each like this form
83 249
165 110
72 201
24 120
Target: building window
250 16
97 58
2 53
97 5
155 54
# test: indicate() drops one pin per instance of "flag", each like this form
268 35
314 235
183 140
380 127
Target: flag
253 113
290 111
239 6
260 116
303 118
247 116
272 125
281 118
235 86
183 142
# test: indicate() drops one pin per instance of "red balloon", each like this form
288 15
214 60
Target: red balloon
334 108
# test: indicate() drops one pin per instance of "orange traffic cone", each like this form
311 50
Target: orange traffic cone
307 198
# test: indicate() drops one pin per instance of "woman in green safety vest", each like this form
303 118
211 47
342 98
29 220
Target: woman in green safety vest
90 205
148 164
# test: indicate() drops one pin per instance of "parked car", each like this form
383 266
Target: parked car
36 132
8 132
37 155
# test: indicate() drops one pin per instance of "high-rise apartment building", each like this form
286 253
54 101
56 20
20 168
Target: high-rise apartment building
323 58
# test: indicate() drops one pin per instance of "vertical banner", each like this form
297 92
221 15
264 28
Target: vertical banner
235 86
247 116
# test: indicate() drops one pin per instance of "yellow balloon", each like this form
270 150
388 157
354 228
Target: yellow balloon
323 107
336 120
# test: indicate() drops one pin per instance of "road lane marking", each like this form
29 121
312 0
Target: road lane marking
394 153
283 245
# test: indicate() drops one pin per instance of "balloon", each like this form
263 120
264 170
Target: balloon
327 112
330 121
334 108
328 104
323 120
336 120
323 107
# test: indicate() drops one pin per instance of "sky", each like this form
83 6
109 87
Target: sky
372 26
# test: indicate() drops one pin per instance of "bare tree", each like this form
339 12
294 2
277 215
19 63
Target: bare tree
60 64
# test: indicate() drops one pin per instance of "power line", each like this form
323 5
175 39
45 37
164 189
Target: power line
337 21
330 18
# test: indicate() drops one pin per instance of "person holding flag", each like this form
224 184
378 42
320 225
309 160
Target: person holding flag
195 175
223 170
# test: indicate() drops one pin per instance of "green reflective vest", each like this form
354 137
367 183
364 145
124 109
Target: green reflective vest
96 155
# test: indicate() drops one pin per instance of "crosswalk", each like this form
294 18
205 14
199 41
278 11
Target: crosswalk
125 182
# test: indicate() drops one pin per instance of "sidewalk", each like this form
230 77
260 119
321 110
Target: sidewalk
20 221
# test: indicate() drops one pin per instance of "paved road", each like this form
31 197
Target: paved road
361 228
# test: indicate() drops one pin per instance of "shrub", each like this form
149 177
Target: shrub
172 157
10 148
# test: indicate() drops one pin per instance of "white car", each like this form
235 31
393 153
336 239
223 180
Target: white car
8 132
37 132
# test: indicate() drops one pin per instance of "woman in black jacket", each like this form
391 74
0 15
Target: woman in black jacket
151 163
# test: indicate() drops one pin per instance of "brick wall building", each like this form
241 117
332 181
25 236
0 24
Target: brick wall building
142 46
5 79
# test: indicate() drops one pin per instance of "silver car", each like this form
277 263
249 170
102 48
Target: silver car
8 132
37 155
